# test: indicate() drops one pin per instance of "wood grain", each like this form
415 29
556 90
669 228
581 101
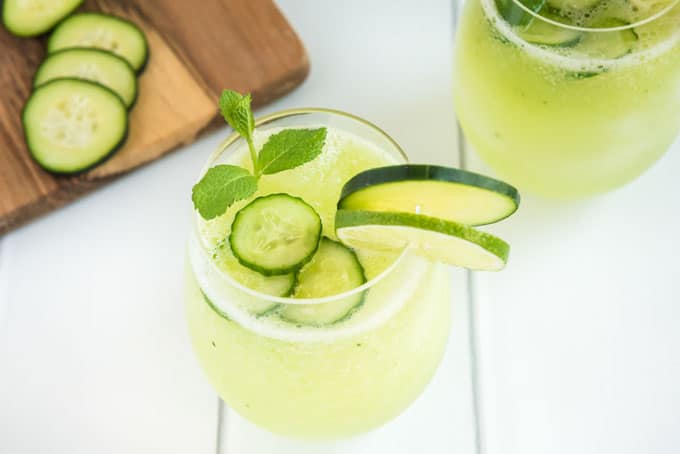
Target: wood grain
196 50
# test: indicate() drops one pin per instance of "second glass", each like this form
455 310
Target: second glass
576 100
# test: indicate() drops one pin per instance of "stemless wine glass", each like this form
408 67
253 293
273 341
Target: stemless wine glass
299 379
567 98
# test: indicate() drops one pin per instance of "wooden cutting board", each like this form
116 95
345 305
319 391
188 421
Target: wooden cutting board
197 48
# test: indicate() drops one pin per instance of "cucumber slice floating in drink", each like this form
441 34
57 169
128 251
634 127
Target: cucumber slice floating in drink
442 192
547 34
333 270
610 44
437 239
72 124
281 285
275 234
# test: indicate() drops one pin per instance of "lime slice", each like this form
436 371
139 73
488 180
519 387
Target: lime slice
437 239
442 192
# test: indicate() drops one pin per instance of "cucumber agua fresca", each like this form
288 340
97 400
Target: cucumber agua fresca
302 249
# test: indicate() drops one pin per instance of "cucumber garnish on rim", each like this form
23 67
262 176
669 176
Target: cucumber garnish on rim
333 270
275 234
437 239
442 192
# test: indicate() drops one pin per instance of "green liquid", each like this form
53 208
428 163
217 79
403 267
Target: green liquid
554 121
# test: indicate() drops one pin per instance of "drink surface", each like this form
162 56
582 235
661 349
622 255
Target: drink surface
568 112
317 381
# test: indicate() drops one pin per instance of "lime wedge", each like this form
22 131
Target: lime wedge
437 239
442 192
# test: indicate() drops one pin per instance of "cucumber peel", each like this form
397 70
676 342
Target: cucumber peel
443 192
437 239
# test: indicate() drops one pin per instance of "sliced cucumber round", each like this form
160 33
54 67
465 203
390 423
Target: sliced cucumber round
73 124
91 64
102 31
214 307
516 15
275 234
442 192
547 34
571 5
281 285
34 17
333 270
437 239
610 44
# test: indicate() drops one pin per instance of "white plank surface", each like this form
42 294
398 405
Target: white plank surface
579 335
94 355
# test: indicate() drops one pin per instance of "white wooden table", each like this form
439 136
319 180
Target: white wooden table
576 342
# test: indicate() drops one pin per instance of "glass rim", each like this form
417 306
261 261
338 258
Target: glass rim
234 137
639 23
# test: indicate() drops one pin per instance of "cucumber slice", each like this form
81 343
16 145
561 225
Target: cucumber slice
442 192
514 14
91 64
281 285
214 307
32 18
613 44
573 5
73 124
102 31
546 34
275 234
437 239
334 269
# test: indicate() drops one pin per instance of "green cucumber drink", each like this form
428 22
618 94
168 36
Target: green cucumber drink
340 346
567 98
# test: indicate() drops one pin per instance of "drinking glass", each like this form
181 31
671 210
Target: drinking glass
575 99
316 381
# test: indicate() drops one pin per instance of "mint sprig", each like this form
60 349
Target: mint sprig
222 185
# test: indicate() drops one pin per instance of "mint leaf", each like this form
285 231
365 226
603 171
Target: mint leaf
291 148
236 111
220 187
